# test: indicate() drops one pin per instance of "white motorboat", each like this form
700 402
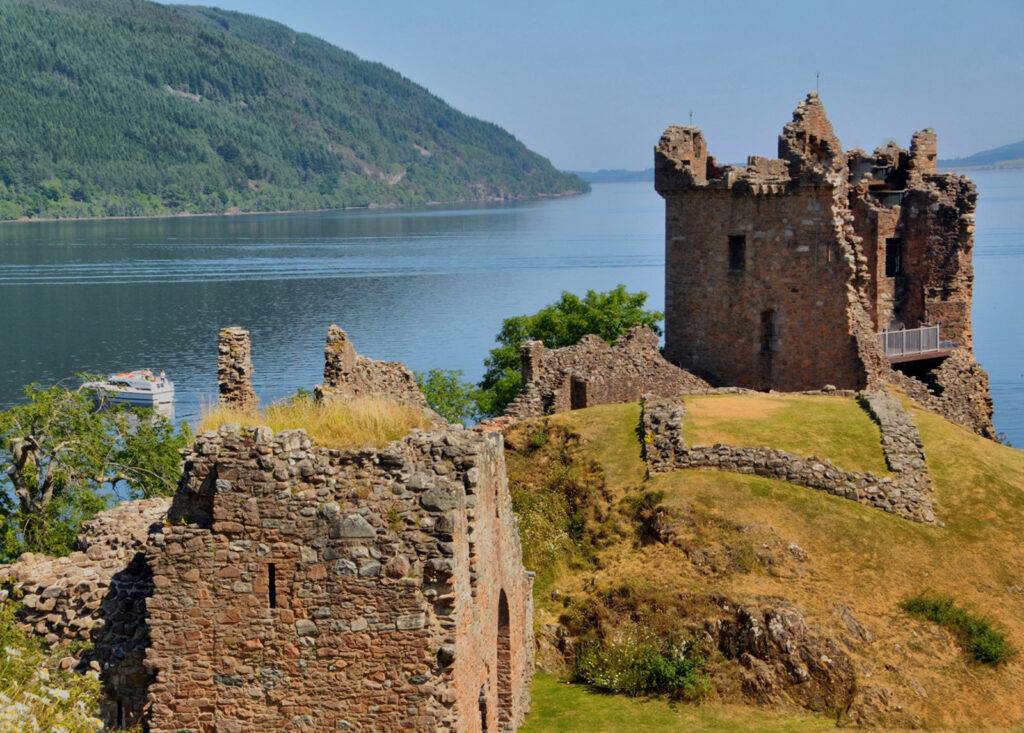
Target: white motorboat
139 388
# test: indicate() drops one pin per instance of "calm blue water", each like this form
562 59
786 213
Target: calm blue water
428 287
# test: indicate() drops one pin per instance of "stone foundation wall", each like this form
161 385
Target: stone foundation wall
906 493
593 373
348 374
96 595
234 369
333 590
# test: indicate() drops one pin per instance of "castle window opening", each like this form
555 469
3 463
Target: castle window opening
120 714
737 252
504 661
482 705
272 584
893 256
769 332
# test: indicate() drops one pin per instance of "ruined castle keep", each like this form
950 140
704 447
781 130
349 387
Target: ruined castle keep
783 273
290 587
307 589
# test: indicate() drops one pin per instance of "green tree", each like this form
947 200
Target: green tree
65 460
450 396
608 315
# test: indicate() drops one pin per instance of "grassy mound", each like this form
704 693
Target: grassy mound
349 424
828 427
648 552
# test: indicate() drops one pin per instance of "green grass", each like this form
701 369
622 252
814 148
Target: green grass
560 706
828 427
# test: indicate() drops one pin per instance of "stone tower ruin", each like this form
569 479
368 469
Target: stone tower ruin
822 266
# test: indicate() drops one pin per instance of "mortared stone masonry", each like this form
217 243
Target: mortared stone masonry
781 273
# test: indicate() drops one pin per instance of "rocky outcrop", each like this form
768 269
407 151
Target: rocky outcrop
593 373
783 660
957 389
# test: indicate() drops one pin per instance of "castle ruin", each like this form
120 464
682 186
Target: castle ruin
593 373
822 267
300 588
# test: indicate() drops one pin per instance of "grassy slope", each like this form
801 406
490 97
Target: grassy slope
855 555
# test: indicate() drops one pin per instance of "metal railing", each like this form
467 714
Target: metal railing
910 341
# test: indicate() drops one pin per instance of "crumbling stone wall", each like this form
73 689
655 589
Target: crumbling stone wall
907 493
316 590
778 274
96 595
593 373
348 374
234 369
957 389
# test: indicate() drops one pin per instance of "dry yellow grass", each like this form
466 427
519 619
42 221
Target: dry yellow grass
343 424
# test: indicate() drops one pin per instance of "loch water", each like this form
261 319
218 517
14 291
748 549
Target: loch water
428 287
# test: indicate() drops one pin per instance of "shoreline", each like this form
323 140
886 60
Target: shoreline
239 212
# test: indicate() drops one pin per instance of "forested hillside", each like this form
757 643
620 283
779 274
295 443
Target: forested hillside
125 107
1005 156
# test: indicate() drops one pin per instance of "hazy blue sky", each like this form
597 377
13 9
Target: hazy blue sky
592 84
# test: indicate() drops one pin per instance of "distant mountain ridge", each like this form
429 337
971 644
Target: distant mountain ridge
1005 156
127 107
616 175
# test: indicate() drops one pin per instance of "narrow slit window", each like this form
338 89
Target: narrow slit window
737 252
893 256
272 584
120 714
769 332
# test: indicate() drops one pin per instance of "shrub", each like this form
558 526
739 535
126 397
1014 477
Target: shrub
34 694
452 398
65 460
608 315
636 663
980 638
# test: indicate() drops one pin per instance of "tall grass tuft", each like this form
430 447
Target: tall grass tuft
982 641
352 423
